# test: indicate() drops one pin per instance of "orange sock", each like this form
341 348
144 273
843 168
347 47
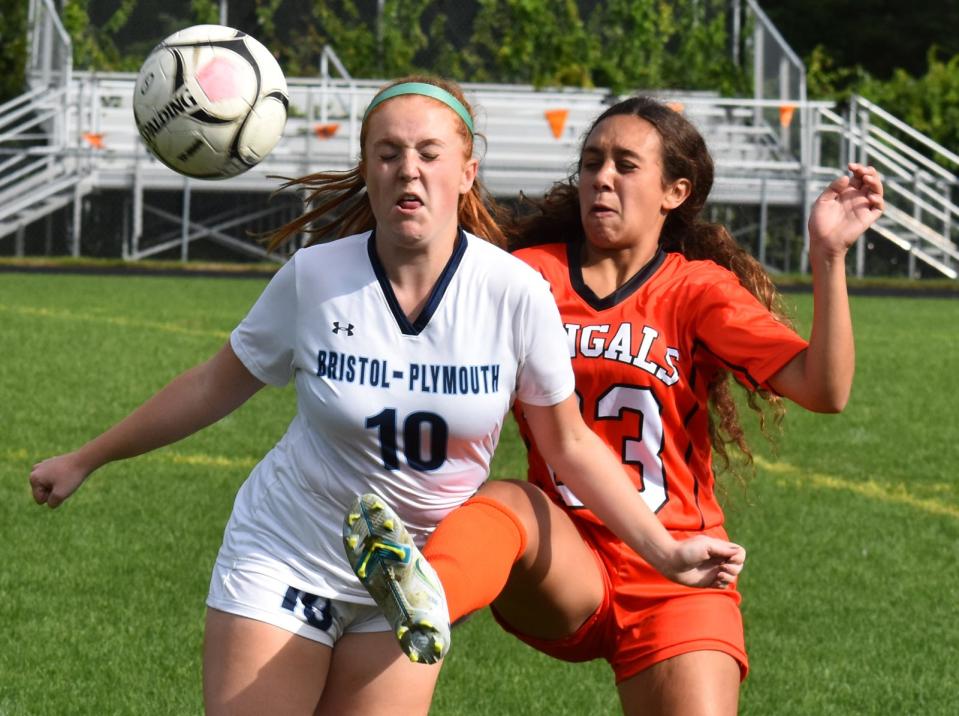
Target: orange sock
473 550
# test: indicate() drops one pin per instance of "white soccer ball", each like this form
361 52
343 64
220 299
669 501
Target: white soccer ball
210 102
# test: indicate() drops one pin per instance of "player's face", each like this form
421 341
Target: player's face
623 198
416 168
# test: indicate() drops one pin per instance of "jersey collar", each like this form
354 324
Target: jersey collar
413 328
574 259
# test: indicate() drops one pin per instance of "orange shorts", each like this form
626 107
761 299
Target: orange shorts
644 618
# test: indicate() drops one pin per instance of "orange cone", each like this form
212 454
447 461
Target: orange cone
557 120
94 139
325 131
786 112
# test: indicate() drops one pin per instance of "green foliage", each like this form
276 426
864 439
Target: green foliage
622 44
386 47
338 24
120 17
626 45
401 36
879 35
13 47
530 41
95 46
445 53
929 103
265 12
700 57
205 12
87 50
632 38
826 80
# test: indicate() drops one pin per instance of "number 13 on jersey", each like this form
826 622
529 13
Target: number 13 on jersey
642 451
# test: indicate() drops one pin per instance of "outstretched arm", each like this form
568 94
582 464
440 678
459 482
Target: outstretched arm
820 377
191 401
594 473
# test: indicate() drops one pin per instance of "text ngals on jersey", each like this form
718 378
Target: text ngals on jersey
598 341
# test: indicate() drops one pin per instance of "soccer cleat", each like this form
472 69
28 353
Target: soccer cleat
400 580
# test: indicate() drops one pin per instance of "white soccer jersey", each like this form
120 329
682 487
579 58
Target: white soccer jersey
411 411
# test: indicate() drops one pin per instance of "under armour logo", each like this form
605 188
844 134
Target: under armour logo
348 328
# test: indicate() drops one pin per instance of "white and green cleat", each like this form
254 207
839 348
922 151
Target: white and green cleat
398 577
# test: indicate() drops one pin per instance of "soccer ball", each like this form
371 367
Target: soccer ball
210 102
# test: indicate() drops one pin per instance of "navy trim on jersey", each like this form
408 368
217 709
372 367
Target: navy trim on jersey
621 293
436 295
732 367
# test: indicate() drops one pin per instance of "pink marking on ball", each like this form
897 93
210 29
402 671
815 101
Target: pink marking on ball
219 79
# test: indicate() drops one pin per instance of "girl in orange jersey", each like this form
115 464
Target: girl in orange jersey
660 308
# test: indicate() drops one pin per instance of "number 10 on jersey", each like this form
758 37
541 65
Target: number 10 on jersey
424 435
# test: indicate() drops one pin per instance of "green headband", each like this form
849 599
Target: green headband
427 90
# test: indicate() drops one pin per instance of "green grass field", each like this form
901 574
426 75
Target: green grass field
852 522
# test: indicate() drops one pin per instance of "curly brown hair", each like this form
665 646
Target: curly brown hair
684 155
339 205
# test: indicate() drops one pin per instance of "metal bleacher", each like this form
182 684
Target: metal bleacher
71 137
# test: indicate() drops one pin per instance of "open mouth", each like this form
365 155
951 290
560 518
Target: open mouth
409 202
600 210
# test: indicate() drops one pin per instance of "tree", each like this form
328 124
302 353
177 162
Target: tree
626 45
529 41
13 47
632 38
651 44
878 35
928 103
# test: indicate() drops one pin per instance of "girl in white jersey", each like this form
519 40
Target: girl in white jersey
407 340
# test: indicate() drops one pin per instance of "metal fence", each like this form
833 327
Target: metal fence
72 134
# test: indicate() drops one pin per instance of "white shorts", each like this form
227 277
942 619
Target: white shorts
266 599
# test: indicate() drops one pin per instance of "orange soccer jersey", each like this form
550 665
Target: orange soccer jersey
644 357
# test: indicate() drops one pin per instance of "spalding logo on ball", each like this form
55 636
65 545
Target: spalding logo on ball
210 102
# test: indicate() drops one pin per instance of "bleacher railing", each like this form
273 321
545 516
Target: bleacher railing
775 149
922 216
50 51
37 173
531 141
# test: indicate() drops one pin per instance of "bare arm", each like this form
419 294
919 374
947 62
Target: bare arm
820 378
191 401
587 465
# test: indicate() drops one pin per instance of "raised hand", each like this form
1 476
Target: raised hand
847 207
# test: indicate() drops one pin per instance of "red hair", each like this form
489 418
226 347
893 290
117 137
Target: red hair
339 205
